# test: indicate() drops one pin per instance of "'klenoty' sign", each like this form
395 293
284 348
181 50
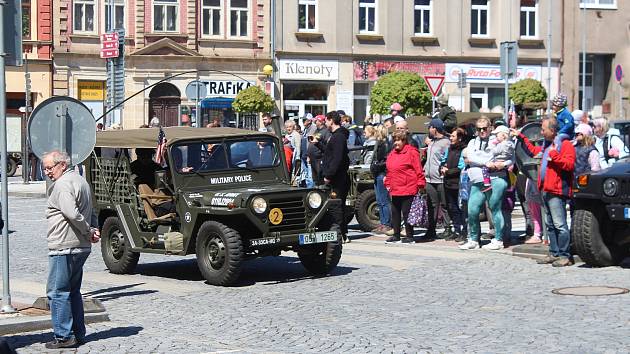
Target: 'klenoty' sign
303 69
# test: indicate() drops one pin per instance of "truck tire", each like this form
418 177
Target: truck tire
589 243
321 258
366 210
219 253
11 167
115 248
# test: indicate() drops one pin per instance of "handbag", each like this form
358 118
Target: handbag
419 214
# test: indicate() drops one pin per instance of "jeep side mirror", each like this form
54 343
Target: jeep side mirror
160 180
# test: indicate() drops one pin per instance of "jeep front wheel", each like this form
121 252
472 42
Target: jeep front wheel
219 253
116 249
321 258
366 210
589 243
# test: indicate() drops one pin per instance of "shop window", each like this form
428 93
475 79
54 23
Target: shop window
211 17
307 15
238 18
165 13
422 17
479 14
486 98
361 101
529 18
308 92
26 19
83 16
119 14
367 16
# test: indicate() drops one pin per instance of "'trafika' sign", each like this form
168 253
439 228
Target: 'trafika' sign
303 69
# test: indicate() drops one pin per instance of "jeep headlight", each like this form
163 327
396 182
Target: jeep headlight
610 187
314 200
259 205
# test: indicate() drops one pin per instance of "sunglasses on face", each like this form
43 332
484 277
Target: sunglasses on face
482 129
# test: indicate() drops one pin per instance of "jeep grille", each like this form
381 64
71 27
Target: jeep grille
293 210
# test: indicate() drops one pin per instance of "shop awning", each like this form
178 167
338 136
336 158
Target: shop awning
217 103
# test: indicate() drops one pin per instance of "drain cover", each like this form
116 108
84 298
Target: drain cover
590 291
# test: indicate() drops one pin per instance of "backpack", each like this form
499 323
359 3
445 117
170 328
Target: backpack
448 116
606 146
358 136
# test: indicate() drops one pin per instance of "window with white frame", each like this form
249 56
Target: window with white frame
211 17
598 4
529 18
83 16
239 22
165 15
479 14
422 17
307 15
119 14
367 16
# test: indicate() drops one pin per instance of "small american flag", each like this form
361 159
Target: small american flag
161 147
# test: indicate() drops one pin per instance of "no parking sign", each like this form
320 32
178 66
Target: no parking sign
618 73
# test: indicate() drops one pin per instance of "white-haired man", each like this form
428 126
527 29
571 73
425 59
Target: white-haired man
72 227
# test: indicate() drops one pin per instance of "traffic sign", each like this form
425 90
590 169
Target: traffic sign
618 73
435 84
109 45
109 36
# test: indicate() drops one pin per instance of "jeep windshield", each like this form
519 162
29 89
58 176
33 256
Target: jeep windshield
211 156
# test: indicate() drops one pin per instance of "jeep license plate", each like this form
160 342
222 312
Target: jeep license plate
626 213
318 237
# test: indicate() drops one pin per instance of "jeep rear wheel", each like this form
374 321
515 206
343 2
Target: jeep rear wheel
219 253
116 249
12 166
589 243
366 210
320 258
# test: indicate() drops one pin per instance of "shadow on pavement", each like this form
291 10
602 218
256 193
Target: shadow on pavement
113 292
24 340
271 270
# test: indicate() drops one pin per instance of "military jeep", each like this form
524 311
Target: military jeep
230 195
600 228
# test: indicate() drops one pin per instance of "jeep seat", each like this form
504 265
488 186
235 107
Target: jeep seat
151 198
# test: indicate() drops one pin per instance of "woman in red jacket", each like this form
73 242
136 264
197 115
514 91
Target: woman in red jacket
403 180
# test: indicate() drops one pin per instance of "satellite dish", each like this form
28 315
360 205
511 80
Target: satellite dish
63 124
527 164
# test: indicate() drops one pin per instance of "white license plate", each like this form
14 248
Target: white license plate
318 237
626 213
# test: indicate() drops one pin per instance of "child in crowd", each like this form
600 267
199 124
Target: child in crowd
503 151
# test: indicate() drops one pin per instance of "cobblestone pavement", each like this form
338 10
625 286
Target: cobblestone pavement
382 298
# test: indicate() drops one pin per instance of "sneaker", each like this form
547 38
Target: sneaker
389 232
533 240
487 236
448 234
407 240
494 245
549 259
562 262
470 245
59 344
393 239
461 238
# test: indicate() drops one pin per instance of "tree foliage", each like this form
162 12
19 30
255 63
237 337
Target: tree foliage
527 91
253 100
406 88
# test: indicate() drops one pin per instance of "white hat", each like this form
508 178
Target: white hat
398 119
308 116
501 129
577 116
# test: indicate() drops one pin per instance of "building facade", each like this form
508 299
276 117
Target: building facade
37 55
167 45
601 29
330 53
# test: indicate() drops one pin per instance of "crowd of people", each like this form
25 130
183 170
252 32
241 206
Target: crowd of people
461 176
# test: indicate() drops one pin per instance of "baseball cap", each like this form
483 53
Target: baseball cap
398 119
584 129
320 117
501 129
308 116
577 116
436 123
341 112
396 107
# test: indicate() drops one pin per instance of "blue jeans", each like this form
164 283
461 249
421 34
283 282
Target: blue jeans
64 295
477 200
556 222
306 175
382 199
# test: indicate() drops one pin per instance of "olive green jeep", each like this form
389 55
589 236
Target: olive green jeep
224 195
